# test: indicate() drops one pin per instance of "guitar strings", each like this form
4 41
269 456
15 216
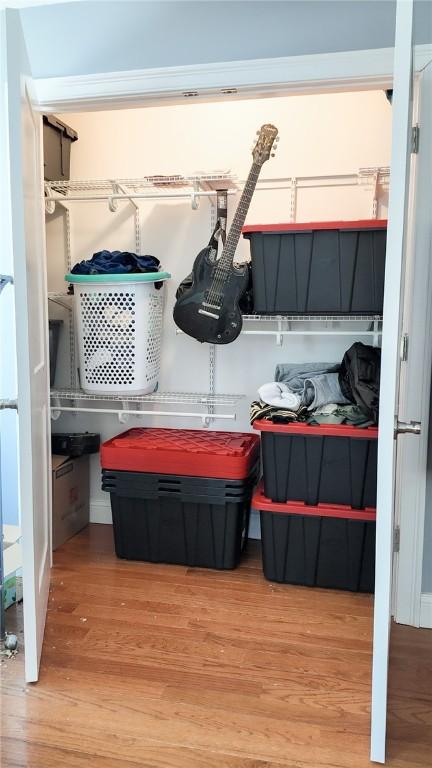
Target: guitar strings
222 270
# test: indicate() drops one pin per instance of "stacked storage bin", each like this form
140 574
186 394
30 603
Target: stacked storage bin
318 496
318 268
180 496
317 504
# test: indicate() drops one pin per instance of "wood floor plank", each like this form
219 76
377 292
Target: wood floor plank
156 666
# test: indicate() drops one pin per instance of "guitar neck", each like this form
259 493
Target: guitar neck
227 257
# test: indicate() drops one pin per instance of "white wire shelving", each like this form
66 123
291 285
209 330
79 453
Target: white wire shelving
177 186
306 325
62 299
171 187
313 325
207 406
200 405
373 180
291 325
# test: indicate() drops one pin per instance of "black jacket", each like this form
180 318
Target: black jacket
359 378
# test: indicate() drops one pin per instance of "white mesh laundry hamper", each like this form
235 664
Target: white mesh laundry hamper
118 321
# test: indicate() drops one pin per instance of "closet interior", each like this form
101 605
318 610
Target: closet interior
155 181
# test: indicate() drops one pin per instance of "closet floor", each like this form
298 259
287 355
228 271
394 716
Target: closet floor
170 667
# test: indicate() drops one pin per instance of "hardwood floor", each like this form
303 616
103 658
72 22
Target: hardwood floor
169 667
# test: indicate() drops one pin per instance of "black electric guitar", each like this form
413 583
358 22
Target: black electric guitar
209 310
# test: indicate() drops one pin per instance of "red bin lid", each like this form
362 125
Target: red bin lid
228 455
263 504
316 225
329 430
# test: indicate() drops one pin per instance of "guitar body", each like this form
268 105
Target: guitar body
218 324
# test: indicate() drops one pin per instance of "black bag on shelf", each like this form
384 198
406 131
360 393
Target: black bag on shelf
75 444
359 378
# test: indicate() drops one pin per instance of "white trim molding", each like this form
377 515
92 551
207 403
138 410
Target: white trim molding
343 70
426 610
100 512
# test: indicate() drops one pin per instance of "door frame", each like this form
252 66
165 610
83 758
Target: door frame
255 78
341 71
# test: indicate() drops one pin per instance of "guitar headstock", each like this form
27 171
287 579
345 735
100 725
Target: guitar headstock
263 147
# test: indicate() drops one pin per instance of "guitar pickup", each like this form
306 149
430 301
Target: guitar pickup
208 314
211 306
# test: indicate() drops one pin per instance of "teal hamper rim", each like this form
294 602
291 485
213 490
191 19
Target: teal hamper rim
120 277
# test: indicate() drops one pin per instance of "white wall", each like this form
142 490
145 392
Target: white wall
92 37
325 134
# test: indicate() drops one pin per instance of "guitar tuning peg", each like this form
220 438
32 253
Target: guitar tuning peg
257 133
273 154
277 139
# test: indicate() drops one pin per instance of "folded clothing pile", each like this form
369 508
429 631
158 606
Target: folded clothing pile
324 393
116 262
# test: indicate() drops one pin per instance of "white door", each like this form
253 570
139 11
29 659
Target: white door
415 380
24 195
390 364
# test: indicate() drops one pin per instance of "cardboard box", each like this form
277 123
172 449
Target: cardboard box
70 497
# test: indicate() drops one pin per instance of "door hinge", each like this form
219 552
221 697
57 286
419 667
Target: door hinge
415 139
404 347
396 539
8 405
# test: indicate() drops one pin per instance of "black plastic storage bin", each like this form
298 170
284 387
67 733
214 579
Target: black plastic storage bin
149 484
54 327
57 140
331 464
325 546
195 515
75 444
318 268
184 521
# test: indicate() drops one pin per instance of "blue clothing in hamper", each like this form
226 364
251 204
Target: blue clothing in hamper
116 262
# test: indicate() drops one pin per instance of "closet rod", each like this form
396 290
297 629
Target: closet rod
329 332
310 185
135 196
126 412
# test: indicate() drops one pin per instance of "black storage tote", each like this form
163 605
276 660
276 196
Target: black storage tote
186 517
57 140
318 268
206 527
330 464
325 546
75 444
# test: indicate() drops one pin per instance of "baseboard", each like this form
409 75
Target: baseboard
426 610
254 525
100 512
